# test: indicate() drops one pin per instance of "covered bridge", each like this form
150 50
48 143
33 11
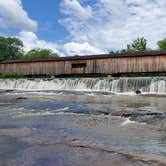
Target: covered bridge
107 64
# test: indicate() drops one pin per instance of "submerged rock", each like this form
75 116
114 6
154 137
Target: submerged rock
5 90
138 92
120 113
21 98
157 119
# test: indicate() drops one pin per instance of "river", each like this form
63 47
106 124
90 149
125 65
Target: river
82 122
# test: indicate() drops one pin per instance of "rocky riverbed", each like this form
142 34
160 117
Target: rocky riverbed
51 128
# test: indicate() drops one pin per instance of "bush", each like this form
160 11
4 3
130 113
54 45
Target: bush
11 75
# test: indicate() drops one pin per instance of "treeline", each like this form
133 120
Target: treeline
140 45
11 48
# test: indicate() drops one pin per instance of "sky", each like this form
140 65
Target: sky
83 27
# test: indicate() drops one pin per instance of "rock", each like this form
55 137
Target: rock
138 92
121 113
154 95
5 90
21 98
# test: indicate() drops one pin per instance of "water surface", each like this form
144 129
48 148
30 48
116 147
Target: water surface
74 128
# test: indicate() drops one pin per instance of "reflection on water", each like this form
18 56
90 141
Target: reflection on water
39 128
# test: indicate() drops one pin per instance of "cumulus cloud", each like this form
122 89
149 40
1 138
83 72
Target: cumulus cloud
75 9
12 15
113 24
74 48
31 41
95 28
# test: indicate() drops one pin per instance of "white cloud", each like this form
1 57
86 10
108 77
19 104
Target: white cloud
137 2
12 15
74 8
31 41
104 26
73 48
114 23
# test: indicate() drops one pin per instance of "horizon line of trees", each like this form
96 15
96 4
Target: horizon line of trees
140 45
11 48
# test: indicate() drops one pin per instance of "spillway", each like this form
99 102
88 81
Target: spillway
154 85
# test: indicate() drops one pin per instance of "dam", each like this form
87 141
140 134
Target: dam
107 64
122 85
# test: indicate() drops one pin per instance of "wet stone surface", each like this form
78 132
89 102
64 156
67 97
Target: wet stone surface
59 128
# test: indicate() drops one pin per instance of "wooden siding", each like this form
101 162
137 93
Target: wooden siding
106 65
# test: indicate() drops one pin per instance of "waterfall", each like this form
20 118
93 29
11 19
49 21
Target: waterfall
154 85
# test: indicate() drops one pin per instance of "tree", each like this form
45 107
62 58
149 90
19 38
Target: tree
128 50
140 44
40 54
162 44
10 48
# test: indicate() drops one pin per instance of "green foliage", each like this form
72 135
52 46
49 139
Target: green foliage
11 75
162 44
114 52
10 48
39 54
138 45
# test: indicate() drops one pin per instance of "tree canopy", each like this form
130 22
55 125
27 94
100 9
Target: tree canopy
138 45
39 53
162 44
10 48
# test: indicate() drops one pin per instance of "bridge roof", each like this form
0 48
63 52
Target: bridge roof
88 57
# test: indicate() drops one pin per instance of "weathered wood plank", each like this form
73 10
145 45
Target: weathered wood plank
109 65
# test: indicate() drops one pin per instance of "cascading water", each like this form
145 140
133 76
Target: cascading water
155 85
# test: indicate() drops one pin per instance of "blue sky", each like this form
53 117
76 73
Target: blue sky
81 27
47 15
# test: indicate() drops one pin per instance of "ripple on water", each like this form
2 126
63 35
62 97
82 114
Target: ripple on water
63 113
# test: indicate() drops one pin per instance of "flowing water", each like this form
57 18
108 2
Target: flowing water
115 85
83 121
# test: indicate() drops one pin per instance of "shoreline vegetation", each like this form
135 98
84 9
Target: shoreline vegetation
11 75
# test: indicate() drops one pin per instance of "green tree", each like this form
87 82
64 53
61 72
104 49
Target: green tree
162 44
10 48
114 52
40 54
140 44
128 50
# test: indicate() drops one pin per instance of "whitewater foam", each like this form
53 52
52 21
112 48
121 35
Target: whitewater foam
127 121
124 85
